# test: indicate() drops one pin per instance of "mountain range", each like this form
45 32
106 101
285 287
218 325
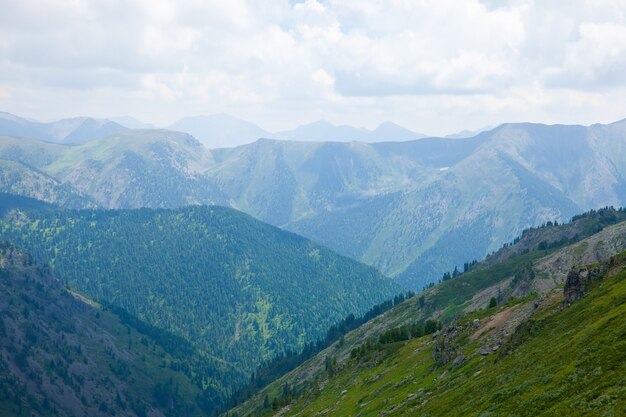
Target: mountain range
534 329
413 209
213 131
180 307
324 131
224 131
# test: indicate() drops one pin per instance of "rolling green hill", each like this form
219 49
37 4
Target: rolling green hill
239 290
527 355
62 354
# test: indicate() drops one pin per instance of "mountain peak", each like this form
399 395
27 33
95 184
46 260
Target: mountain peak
318 123
131 122
390 131
8 116
388 124
219 130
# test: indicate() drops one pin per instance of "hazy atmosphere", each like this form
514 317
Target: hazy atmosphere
233 208
435 67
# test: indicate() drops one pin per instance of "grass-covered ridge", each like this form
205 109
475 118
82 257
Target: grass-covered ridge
239 290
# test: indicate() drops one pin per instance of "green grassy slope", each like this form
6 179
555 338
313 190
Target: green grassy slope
558 361
505 276
238 289
568 362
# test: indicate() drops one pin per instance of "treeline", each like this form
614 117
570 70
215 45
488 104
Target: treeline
467 266
608 214
597 219
396 334
279 366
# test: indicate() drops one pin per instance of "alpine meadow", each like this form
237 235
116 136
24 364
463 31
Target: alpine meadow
312 208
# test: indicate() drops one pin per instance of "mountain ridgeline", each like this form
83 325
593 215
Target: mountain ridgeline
239 291
412 209
70 131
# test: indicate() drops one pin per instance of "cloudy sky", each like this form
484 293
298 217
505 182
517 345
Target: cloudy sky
434 66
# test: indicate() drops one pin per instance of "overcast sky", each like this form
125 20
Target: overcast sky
434 66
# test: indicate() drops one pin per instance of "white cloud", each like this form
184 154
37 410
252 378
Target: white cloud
433 65
596 58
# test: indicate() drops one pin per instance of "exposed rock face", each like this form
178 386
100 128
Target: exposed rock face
577 281
447 349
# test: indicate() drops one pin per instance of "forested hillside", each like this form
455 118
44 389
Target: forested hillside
239 290
62 355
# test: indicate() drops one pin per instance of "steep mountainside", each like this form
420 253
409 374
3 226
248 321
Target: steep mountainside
507 345
20 179
238 289
152 168
412 209
61 354
525 358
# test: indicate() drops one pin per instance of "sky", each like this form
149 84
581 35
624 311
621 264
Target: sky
436 67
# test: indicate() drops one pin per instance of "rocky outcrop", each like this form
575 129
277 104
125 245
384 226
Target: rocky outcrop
447 349
577 282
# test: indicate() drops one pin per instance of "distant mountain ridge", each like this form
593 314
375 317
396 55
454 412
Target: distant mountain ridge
220 130
413 209
69 131
324 131
214 131
224 131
